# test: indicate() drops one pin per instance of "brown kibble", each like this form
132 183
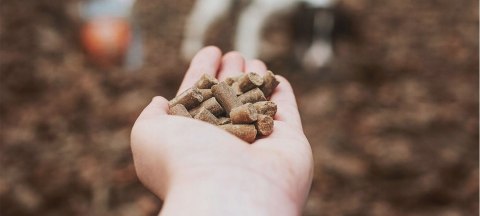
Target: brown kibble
249 81
224 120
189 98
206 93
179 110
266 108
206 81
236 89
264 125
211 105
246 132
225 96
231 80
269 83
238 104
206 116
243 114
252 96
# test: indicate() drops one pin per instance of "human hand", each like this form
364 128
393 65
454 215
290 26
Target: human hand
200 169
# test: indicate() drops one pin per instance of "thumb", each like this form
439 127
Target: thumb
157 107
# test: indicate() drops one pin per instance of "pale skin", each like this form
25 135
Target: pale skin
200 169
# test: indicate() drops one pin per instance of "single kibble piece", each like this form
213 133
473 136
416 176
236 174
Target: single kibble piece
211 105
206 82
179 110
189 98
243 114
246 132
249 81
264 125
231 80
269 83
266 108
225 96
236 89
206 93
224 120
252 96
206 116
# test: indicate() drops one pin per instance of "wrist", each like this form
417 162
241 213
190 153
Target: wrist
232 193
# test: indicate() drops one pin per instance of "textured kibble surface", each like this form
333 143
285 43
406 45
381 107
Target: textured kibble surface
238 105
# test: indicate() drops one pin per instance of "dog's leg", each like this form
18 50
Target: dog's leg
320 3
320 52
204 13
251 23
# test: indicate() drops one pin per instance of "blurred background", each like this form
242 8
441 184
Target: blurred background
392 116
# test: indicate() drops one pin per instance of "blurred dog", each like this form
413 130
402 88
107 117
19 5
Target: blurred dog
252 20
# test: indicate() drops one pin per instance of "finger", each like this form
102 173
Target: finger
158 106
256 66
287 110
233 64
206 61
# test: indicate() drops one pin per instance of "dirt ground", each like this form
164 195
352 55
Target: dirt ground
393 120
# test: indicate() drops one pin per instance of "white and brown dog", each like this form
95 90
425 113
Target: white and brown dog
251 22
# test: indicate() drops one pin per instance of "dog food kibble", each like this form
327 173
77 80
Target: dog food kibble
226 96
206 82
206 93
243 114
252 96
211 105
246 132
249 81
264 125
269 83
266 108
231 80
206 116
179 110
190 98
224 120
238 105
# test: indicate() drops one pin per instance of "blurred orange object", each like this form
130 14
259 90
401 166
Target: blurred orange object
106 40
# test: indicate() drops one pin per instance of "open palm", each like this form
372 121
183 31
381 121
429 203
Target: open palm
182 159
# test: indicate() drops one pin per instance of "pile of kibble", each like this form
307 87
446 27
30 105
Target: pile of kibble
239 104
